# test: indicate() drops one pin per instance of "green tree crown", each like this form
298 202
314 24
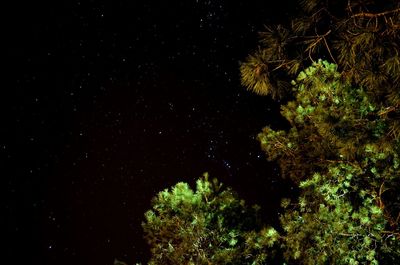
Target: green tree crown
210 225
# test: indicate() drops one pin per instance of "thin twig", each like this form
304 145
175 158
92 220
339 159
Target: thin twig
311 47
372 15
329 50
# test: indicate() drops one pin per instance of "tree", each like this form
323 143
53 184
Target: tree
342 115
336 221
342 149
207 226
340 154
360 36
330 120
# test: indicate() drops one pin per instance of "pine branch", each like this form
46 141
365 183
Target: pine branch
373 15
387 110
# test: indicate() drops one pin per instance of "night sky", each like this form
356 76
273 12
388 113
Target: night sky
111 102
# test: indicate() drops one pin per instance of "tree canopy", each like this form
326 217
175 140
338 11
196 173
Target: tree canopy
210 225
342 149
339 153
341 114
360 36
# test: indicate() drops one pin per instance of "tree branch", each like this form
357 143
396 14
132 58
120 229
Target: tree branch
372 15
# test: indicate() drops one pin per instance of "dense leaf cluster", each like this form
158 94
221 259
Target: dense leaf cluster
360 36
336 221
330 121
339 153
207 226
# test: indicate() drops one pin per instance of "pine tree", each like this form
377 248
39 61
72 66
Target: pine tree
342 149
338 221
208 226
345 114
360 36
340 153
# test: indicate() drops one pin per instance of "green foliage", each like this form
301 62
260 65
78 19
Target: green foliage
337 221
338 150
207 226
330 120
361 36
348 211
342 150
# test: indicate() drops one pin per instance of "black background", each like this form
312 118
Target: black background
109 103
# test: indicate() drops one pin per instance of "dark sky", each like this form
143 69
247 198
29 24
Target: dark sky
112 101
